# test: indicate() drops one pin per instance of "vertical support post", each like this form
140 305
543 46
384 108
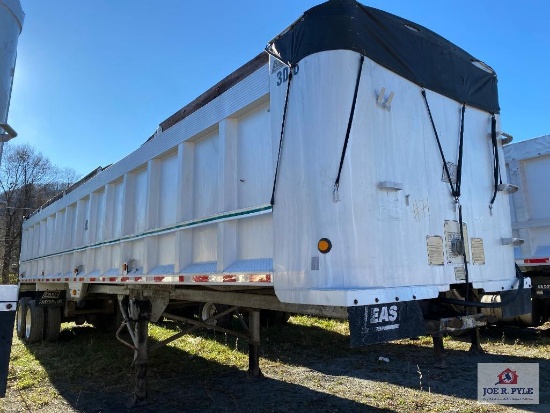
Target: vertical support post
439 351
227 191
140 360
254 344
139 312
150 258
474 333
185 205
476 342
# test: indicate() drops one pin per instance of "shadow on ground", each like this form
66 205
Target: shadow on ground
180 381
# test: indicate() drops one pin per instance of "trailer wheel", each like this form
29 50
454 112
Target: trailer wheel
108 323
52 325
34 323
207 310
273 318
21 315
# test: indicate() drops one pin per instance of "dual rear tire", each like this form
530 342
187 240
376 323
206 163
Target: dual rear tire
35 324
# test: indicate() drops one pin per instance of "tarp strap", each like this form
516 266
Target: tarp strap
464 254
281 137
460 150
455 189
445 167
457 200
496 164
348 131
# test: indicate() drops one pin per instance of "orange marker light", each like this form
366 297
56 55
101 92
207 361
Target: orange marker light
324 245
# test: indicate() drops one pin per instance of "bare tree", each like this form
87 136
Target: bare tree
65 177
27 180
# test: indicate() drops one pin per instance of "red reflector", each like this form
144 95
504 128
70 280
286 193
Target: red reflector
260 278
536 260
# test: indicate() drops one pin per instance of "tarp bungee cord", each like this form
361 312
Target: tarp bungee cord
455 188
496 163
348 131
282 135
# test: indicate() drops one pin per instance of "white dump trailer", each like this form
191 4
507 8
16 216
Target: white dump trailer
350 170
11 23
528 167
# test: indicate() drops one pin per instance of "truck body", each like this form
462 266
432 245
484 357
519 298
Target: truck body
325 176
11 24
528 167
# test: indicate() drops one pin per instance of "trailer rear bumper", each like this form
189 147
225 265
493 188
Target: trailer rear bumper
460 323
382 323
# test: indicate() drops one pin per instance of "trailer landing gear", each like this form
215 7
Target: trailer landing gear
254 345
475 347
466 324
136 316
140 361
439 352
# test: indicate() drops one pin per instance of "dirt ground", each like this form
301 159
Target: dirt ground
356 382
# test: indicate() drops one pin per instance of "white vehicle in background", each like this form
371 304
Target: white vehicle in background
325 176
528 167
11 23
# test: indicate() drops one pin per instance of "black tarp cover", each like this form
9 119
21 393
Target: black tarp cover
405 48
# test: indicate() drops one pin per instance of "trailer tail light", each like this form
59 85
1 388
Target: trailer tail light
324 245
536 260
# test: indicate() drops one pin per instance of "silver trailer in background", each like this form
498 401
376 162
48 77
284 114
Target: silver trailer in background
11 23
528 167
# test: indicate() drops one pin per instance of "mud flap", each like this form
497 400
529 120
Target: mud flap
50 298
371 324
519 306
8 305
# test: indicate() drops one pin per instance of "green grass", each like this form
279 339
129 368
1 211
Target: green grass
83 352
43 376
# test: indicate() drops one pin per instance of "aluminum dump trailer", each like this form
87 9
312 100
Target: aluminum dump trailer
348 170
11 23
528 167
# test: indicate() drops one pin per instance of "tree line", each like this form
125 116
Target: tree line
27 180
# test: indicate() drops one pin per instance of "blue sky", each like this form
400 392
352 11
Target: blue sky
95 78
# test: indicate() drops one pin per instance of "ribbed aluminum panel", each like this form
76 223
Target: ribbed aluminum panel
243 94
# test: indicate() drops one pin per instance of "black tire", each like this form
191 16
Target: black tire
34 323
52 324
207 310
108 323
270 318
21 314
